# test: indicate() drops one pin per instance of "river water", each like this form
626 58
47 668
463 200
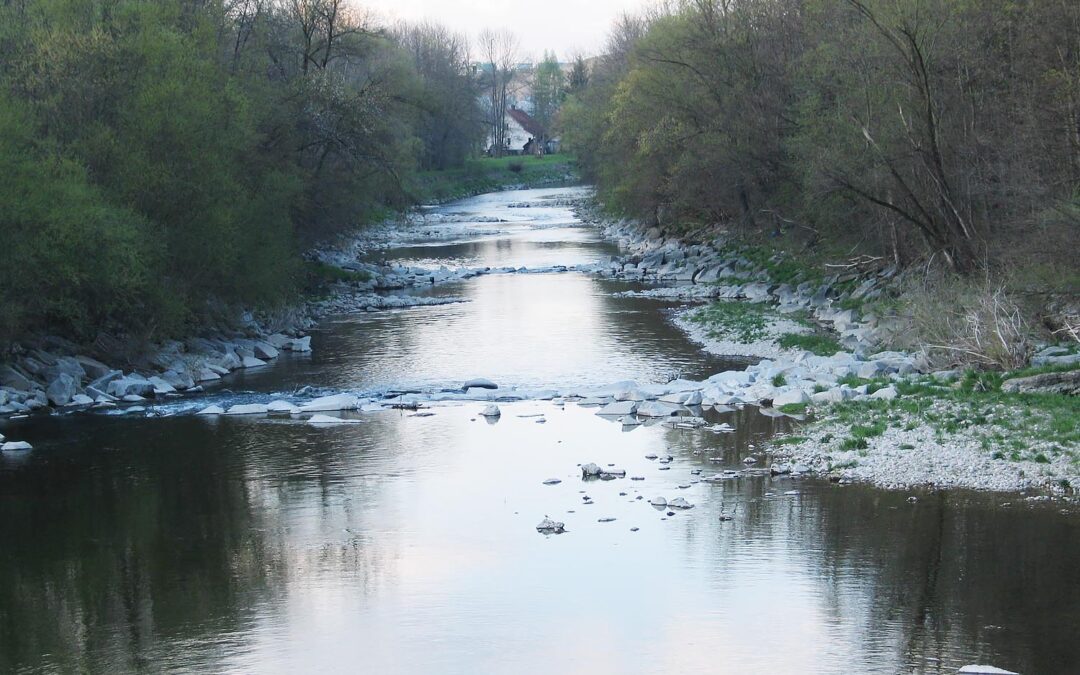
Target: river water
408 544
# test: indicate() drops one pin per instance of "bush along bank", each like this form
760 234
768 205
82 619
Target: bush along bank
873 413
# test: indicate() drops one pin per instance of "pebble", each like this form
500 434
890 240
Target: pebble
552 481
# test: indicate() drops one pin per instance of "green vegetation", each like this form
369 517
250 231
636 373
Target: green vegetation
793 408
878 129
822 345
743 322
162 158
1006 424
779 380
492 173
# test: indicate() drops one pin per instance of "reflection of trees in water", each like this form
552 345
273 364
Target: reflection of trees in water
166 535
954 577
951 578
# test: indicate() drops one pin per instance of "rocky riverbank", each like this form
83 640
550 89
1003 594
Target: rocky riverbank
874 414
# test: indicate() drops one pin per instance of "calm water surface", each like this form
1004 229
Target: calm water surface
407 544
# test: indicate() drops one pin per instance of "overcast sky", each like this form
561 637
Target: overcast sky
565 26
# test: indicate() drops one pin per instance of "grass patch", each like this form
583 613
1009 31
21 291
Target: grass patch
779 380
822 345
742 322
793 408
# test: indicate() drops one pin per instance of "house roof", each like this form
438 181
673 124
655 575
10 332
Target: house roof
527 123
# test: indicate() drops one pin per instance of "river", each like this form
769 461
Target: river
407 543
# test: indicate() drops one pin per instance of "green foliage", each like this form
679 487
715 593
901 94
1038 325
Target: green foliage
886 125
779 380
162 158
743 322
822 345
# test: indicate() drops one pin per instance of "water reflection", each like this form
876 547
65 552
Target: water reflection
274 546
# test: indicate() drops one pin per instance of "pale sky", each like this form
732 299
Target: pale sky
565 26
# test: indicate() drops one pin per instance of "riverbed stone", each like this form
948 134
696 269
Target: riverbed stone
331 403
618 409
212 410
658 409
62 389
790 397
886 394
161 386
299 344
281 408
491 411
247 409
479 383
549 526
16 446
265 351
80 400
9 377
590 470
251 362
129 385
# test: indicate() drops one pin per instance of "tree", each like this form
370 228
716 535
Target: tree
499 49
548 90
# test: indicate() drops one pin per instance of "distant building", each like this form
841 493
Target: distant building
524 135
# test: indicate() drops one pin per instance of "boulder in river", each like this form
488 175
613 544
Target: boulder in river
62 389
618 409
679 503
658 502
331 403
16 446
479 383
549 526
491 411
247 409
976 669
281 408
251 362
590 470
132 384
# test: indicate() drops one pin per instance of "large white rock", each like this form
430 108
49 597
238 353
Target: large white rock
886 394
658 409
618 409
251 362
491 411
247 409
300 344
281 408
161 386
331 403
984 670
479 383
16 446
80 399
62 389
212 410
130 385
790 397
265 351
